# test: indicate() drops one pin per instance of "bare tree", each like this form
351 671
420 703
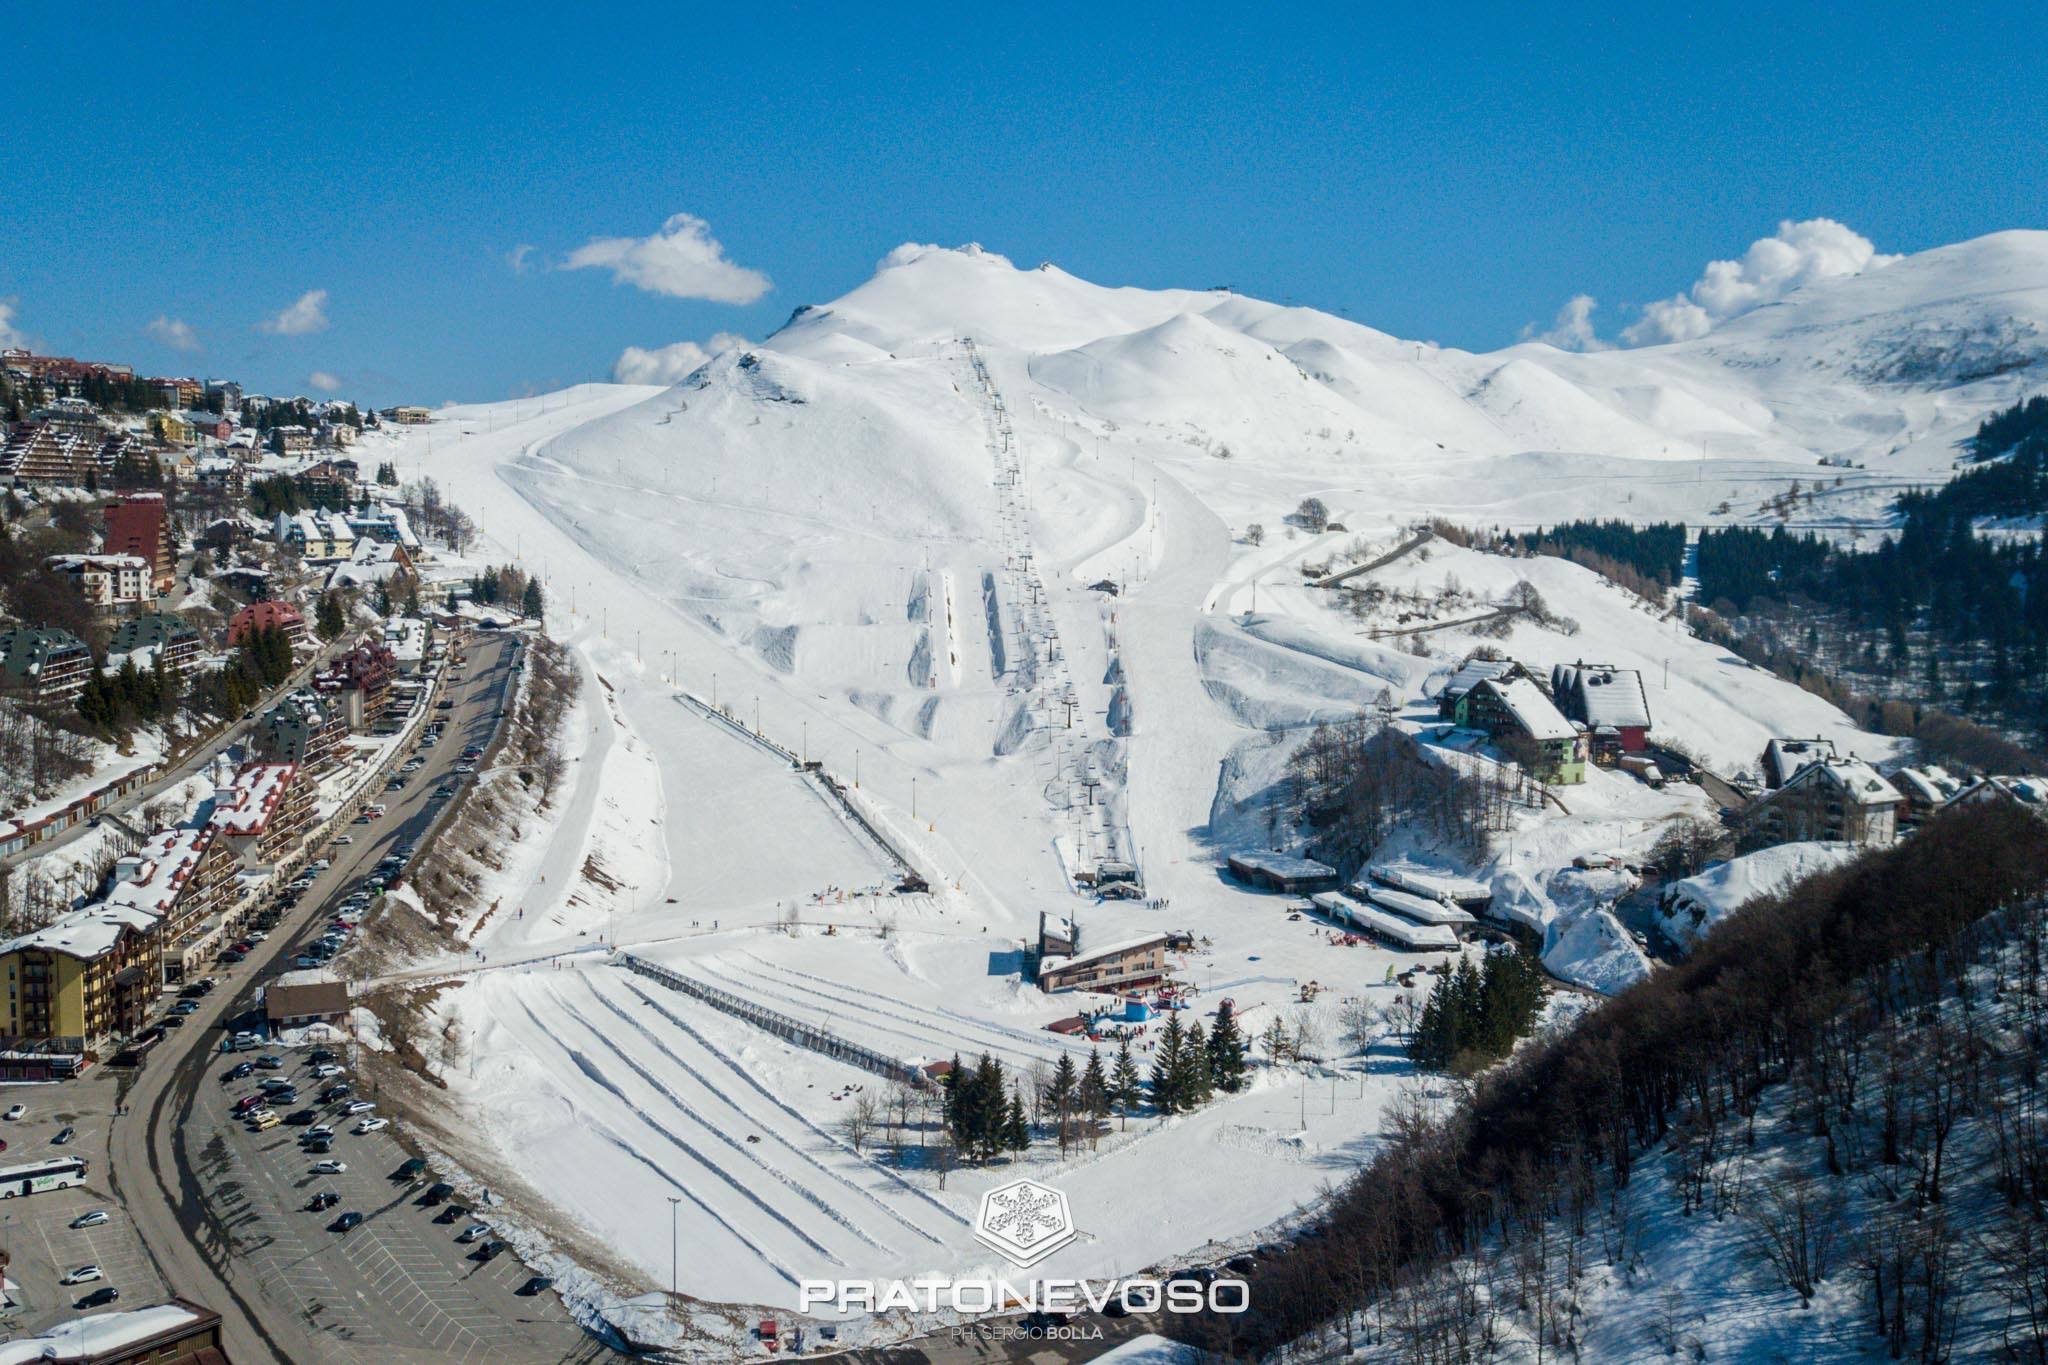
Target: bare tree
860 1119
1794 1224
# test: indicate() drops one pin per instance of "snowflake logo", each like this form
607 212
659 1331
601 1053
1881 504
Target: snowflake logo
1025 1221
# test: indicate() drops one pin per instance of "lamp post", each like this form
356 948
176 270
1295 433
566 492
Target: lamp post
674 1202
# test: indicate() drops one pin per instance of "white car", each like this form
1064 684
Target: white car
371 1125
319 865
15 1112
472 1232
85 1274
344 840
326 1069
329 1167
98 1218
355 1107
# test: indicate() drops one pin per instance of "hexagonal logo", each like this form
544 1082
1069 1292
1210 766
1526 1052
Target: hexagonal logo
1024 1222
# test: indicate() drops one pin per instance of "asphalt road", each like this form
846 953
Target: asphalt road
152 1167
191 763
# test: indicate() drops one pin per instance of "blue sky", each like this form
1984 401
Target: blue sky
1452 175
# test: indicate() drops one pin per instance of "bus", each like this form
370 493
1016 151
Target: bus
55 1174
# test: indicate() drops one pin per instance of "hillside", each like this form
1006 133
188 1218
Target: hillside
1030 570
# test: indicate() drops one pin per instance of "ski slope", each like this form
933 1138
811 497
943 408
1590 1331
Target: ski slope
971 539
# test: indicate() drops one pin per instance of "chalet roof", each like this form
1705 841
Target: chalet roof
1613 696
1116 949
1856 780
1531 709
1473 672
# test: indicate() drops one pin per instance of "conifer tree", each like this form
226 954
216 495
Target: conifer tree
1123 1083
1226 1051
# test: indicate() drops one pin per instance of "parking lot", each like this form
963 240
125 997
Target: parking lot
37 1232
399 1280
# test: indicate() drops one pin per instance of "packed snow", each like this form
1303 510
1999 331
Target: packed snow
970 540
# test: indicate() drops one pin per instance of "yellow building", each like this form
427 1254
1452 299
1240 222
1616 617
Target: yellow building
90 976
170 426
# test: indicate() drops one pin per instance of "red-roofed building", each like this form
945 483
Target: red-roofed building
361 681
264 814
268 616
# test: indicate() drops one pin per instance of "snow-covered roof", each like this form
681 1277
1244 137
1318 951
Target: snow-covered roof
1472 673
1374 920
1425 881
84 933
1122 945
1421 909
1697 903
1283 865
246 806
1532 710
91 1338
151 878
1613 696
1857 780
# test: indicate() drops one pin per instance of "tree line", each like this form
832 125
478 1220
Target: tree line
1790 990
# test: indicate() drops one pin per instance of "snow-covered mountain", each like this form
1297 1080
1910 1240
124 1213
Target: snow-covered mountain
978 541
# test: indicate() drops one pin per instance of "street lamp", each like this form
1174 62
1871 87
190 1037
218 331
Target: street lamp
674 1202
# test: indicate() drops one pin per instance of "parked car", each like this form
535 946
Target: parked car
320 1133
324 1070
323 1201
473 1231
15 1113
97 1218
330 1167
348 1222
332 1093
371 1125
301 1118
539 1284
85 1274
437 1193
173 1021
304 960
354 1107
270 1061
233 956
490 1251
99 1298
409 1168
64 1135
185 1007
344 840
318 1146
248 1104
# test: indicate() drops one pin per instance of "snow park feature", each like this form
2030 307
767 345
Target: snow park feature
902 625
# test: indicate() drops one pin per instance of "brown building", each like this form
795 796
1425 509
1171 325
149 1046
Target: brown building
1113 966
297 999
1840 799
267 616
140 524
178 1332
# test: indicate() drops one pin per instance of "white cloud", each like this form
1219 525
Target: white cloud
1572 329
683 261
10 335
307 313
515 259
1795 256
324 381
670 364
174 333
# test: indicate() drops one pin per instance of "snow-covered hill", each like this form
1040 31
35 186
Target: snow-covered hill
974 539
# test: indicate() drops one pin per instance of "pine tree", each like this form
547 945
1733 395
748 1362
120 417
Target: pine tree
1060 1094
1167 1067
329 619
1226 1051
1194 1086
1016 1128
1094 1090
530 604
1123 1083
